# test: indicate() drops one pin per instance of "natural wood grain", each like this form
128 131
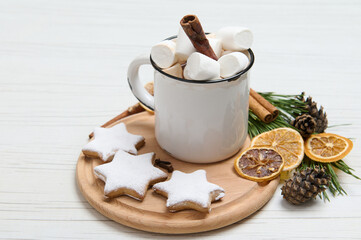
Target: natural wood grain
242 198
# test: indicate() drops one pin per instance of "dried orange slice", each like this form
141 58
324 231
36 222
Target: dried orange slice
288 142
327 147
259 164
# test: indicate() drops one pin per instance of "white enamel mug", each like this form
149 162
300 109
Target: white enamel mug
196 121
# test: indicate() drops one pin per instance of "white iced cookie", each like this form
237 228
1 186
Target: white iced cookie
235 38
176 70
216 45
200 67
107 141
184 47
129 175
163 53
232 63
189 191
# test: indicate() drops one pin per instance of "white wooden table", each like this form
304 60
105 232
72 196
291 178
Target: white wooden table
63 71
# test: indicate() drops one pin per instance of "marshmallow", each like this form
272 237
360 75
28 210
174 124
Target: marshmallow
175 70
163 53
235 38
232 63
200 67
185 74
184 46
216 45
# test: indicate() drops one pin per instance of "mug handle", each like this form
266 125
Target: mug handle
136 85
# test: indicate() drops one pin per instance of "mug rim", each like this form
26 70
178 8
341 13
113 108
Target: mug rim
229 79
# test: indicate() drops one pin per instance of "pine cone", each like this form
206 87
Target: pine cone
305 124
318 115
305 185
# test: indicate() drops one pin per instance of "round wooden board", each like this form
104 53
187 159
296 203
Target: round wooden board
243 197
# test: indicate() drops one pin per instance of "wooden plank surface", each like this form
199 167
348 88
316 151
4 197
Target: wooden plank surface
63 71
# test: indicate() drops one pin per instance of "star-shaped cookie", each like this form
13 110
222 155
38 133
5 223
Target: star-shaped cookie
107 141
189 191
129 175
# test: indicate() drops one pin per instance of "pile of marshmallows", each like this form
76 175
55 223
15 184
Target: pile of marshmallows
171 55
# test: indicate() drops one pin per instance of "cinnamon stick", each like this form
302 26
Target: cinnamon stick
259 110
193 28
266 104
137 108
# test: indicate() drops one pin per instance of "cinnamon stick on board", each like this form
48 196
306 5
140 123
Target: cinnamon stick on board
137 108
193 28
266 104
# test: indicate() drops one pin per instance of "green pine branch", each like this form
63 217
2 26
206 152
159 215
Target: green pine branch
291 106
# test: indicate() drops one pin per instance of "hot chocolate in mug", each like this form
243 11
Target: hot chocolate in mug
196 121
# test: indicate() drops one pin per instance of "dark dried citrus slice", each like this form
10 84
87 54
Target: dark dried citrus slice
259 164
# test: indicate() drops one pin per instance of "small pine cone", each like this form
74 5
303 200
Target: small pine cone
301 97
321 121
305 124
318 115
305 185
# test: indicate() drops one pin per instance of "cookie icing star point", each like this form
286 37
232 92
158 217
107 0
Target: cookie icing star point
189 191
107 141
129 175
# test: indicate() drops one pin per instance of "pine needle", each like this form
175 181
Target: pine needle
291 106
339 125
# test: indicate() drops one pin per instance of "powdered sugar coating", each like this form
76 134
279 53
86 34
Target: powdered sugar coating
130 172
192 187
107 141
